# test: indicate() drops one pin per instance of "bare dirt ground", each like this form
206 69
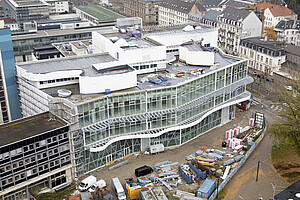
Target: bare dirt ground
210 139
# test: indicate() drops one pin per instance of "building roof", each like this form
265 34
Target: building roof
211 3
100 13
211 15
9 21
272 45
83 63
239 4
181 6
292 49
288 24
291 192
276 10
234 13
27 127
27 3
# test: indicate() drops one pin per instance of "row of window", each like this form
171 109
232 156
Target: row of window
58 80
34 171
141 67
33 146
34 158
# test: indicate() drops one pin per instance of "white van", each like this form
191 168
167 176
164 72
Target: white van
86 183
98 184
117 187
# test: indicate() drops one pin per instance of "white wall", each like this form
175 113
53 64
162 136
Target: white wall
177 39
204 58
251 26
98 84
143 54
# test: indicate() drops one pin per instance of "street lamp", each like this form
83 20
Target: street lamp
257 170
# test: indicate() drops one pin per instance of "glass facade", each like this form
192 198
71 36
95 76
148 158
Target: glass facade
150 111
8 65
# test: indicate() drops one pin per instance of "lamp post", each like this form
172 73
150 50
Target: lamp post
257 170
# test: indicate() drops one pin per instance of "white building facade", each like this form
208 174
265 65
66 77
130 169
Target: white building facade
235 24
263 56
58 6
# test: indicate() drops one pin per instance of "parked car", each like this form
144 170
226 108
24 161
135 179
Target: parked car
98 184
86 183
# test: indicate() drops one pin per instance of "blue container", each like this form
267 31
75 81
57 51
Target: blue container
206 189
107 91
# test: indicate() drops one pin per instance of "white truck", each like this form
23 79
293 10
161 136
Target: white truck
99 184
117 187
86 183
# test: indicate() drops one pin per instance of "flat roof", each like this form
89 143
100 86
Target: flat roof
83 62
170 72
28 127
100 13
48 33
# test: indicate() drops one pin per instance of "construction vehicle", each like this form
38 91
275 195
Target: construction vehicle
134 187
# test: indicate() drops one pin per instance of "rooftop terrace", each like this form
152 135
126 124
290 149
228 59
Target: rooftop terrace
27 127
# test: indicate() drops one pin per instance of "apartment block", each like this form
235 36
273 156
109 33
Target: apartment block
34 151
235 24
264 56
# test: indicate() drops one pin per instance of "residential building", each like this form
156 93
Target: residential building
235 24
12 24
58 6
24 11
264 56
34 151
298 39
114 106
97 15
9 99
290 68
272 14
211 18
286 30
145 9
177 11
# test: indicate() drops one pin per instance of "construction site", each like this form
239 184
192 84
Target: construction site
193 170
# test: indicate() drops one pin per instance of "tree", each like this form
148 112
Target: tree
287 129
270 33
293 4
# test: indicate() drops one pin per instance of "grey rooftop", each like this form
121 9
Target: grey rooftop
28 127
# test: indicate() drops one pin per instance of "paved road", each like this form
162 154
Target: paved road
243 185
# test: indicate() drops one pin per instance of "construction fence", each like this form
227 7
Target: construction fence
240 164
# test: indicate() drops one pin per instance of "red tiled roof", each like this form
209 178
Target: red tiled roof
9 21
277 10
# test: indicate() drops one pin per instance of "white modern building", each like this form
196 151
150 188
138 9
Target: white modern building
264 56
133 92
235 24
286 30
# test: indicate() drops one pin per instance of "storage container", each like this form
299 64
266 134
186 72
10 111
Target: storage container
206 189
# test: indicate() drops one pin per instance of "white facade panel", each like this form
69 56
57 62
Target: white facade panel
98 84
203 58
